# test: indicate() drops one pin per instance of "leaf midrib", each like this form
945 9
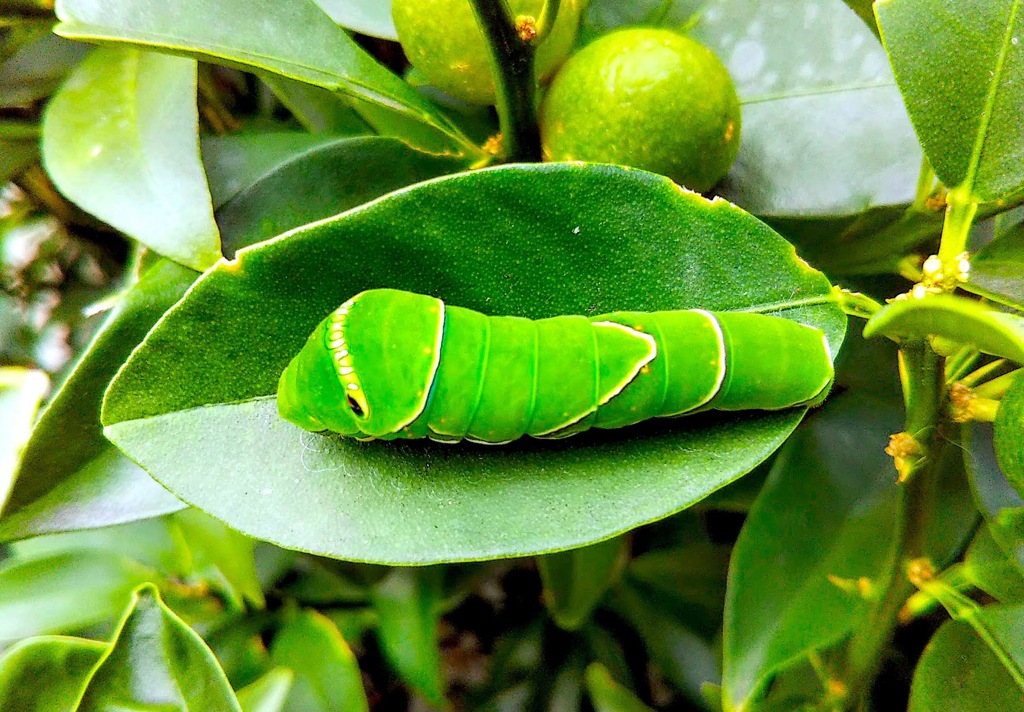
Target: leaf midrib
990 101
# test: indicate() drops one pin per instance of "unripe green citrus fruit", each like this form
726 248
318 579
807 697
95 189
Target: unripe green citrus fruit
648 98
442 40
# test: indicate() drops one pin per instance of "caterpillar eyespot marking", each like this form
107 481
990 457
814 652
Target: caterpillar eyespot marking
392 364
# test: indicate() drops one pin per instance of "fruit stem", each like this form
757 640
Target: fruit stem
512 63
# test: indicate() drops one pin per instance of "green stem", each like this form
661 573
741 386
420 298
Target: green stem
925 392
925 185
924 602
960 212
856 304
515 85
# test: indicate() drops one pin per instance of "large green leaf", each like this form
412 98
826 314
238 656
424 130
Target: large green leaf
371 17
47 674
295 39
222 555
195 404
1009 435
21 391
962 672
408 605
156 662
71 477
998 501
576 580
121 139
961 320
327 674
686 580
684 656
607 695
330 177
987 567
318 110
65 591
234 163
806 531
959 66
824 128
269 693
997 270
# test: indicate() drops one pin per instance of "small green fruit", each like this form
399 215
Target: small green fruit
648 98
442 40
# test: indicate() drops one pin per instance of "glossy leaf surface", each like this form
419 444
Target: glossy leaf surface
962 672
576 580
804 537
121 139
961 320
331 178
71 476
337 497
269 693
408 604
997 270
157 662
47 674
21 391
65 591
371 17
294 39
607 695
824 128
327 675
959 66
1009 435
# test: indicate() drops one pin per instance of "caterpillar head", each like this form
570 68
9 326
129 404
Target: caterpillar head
367 369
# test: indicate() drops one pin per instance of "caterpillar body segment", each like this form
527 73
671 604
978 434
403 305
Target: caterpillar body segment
391 364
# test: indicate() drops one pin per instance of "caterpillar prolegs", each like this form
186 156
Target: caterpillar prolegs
392 364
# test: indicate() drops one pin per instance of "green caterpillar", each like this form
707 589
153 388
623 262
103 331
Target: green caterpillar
391 364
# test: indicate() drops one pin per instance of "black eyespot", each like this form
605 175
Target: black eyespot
355 406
